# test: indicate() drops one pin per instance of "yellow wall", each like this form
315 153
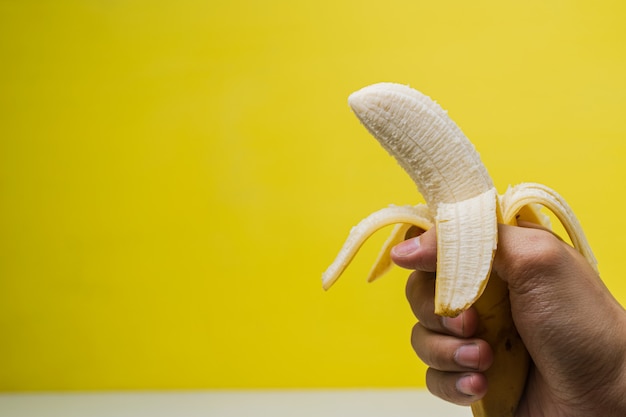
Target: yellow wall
175 176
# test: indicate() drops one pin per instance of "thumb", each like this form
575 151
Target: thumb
419 253
557 298
532 258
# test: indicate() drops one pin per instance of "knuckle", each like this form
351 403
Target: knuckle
436 384
415 336
420 290
429 355
434 349
443 385
411 286
538 253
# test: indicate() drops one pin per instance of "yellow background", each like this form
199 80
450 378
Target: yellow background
175 176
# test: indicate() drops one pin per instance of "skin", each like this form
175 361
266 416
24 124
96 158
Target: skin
573 328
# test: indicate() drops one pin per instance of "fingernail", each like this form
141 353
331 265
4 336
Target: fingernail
468 356
464 385
406 248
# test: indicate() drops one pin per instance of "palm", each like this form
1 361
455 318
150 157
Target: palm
539 400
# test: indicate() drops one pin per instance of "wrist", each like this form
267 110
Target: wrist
615 398
621 383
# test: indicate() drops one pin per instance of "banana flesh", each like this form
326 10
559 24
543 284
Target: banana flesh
463 205
464 253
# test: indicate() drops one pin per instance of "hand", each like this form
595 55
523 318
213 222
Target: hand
573 328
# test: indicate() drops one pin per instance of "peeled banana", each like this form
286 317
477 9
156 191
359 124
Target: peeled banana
463 205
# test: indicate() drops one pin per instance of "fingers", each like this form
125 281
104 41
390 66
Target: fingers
455 360
458 388
449 353
455 365
420 292
527 255
418 253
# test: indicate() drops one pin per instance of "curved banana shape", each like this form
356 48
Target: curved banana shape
464 206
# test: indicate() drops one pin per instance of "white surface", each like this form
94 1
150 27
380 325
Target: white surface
292 403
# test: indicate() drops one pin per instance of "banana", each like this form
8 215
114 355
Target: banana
464 206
